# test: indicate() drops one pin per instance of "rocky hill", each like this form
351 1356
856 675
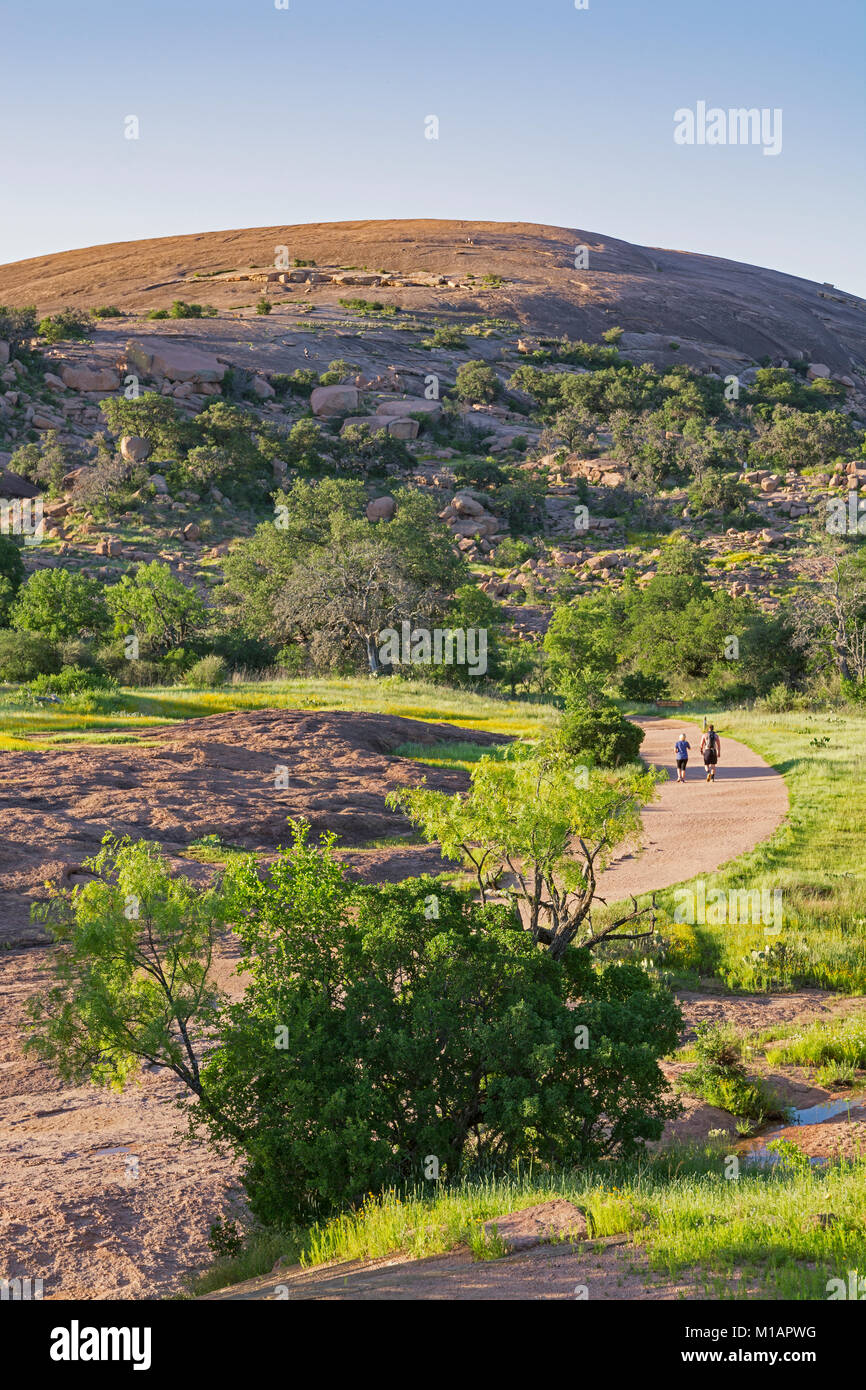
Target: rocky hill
715 310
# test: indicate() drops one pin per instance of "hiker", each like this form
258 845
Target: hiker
681 750
711 748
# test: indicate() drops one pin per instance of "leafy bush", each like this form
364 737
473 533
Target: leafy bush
264 306
107 311
25 655
353 1057
209 671
718 491
71 324
592 729
60 604
444 335
719 1076
72 680
370 307
477 383
17 327
637 686
514 552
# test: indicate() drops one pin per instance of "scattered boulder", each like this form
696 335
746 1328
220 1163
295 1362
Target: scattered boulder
329 402
160 485
192 532
174 361
818 371
135 449
381 509
90 378
263 389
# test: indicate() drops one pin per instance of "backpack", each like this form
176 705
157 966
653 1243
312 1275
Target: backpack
712 741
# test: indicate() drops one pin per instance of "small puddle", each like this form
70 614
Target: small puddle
755 1150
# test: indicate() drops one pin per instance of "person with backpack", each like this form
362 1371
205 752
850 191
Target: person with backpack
711 748
681 752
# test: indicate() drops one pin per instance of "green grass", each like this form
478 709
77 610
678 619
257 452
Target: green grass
679 1208
23 724
449 754
842 1041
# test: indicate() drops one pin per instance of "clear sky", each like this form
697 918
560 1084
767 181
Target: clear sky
251 115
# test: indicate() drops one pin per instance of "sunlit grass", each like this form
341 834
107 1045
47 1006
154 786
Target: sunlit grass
21 722
762 1229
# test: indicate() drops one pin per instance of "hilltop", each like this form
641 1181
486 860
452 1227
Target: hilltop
714 308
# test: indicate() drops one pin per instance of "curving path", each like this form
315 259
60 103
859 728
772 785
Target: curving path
696 827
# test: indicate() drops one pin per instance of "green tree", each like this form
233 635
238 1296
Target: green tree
477 383
552 825
153 603
25 655
60 604
379 1026
11 576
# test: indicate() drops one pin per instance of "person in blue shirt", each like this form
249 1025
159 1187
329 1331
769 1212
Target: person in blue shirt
681 749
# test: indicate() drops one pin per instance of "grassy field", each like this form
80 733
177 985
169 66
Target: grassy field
761 1230
89 719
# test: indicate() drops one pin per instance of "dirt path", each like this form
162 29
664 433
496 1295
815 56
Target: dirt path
696 827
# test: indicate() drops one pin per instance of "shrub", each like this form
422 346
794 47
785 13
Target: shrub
637 686
719 1077
264 306
513 552
209 671
71 680
25 655
376 1062
477 383
60 604
72 324
444 335
17 327
593 730
612 335
108 311
718 491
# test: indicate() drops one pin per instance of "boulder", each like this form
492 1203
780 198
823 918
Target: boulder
329 402
464 505
90 378
55 381
4 353
263 389
135 449
192 532
818 371
160 357
769 484
568 559
558 1220
412 406
160 486
381 509
402 427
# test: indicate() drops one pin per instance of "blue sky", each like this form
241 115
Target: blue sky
250 116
